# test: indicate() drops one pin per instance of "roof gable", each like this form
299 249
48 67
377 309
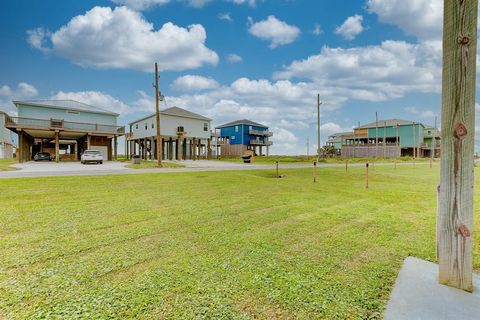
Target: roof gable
389 123
65 104
243 121
176 112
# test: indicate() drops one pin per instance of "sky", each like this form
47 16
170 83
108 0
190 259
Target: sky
264 60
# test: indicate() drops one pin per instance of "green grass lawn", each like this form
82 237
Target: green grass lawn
153 164
213 245
5 164
311 159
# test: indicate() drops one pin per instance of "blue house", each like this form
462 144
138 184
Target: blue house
236 137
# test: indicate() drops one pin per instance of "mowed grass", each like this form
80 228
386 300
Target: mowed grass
213 245
5 164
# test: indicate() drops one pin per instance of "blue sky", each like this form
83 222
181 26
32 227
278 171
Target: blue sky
230 59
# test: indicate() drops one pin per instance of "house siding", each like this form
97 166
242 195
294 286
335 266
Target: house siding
47 113
168 127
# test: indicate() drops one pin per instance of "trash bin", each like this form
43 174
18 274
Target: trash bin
135 159
247 158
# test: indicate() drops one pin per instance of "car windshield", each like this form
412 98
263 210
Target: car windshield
43 154
92 152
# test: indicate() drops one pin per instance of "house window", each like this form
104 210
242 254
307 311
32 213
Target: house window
232 137
136 126
250 128
146 126
153 126
205 126
72 112
236 128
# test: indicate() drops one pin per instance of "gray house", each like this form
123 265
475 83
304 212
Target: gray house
65 128
6 142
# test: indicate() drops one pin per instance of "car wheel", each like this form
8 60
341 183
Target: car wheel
82 162
101 162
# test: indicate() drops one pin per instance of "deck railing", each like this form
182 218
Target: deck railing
260 143
264 133
55 124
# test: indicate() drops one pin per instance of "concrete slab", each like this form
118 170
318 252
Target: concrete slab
417 295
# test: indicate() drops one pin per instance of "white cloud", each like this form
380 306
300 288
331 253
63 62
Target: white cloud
22 91
374 73
194 83
317 30
426 114
420 18
351 27
122 39
146 4
251 3
277 32
95 98
234 58
225 16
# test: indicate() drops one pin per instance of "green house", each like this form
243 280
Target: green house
389 138
64 128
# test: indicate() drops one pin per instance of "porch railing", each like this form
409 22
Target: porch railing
56 124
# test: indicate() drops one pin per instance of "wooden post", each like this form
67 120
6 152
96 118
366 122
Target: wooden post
115 148
366 175
193 147
455 211
314 171
88 141
276 169
346 165
209 149
19 154
57 147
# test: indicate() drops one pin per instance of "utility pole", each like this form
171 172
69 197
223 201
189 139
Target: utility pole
434 140
157 113
308 145
376 134
455 230
318 127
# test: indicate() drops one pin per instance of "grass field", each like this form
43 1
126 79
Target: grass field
5 164
153 164
213 245
311 159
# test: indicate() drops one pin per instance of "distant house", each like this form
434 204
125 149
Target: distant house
64 128
395 138
235 137
6 142
185 135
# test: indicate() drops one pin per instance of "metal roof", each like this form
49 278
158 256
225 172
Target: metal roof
243 121
389 123
65 104
177 112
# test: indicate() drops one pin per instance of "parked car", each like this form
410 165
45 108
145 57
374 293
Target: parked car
91 156
42 156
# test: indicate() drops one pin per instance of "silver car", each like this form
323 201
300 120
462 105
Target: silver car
91 156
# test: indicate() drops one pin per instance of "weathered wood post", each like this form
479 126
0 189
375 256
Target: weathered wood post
276 169
346 165
314 171
366 175
455 211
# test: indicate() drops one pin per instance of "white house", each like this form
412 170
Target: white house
185 135
6 142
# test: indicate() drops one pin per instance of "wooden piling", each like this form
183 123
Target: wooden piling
314 171
455 209
276 169
346 165
366 175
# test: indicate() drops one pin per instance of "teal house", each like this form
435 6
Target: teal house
388 138
64 128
